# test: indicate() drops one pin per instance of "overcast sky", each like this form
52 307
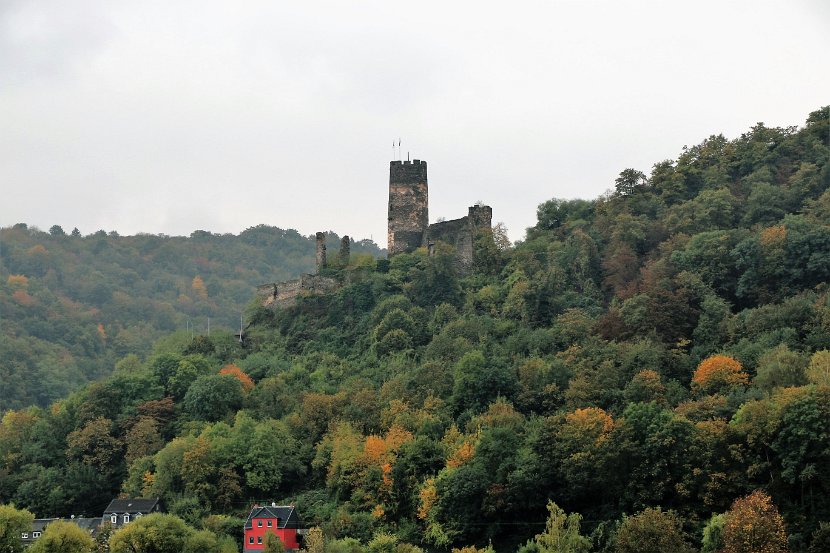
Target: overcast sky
170 116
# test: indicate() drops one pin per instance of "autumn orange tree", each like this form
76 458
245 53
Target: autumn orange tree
718 373
237 373
754 525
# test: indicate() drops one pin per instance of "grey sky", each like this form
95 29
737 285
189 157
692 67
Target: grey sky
170 116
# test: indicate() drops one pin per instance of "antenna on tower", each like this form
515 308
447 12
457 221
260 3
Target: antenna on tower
399 149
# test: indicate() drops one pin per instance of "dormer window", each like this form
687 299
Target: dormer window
114 518
25 535
35 535
126 518
138 515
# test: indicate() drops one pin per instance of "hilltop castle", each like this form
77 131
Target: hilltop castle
409 226
408 230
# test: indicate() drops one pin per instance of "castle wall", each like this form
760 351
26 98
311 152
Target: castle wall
285 294
456 233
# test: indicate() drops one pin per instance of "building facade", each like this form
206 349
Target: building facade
280 520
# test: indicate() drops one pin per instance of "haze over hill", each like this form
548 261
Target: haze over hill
72 305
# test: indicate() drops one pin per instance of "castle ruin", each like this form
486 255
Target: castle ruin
408 230
409 226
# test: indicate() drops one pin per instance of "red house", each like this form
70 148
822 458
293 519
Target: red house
281 520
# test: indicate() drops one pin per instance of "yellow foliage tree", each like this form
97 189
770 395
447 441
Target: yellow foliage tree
818 372
718 373
18 282
754 525
198 286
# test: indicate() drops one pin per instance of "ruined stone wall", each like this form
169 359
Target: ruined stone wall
457 233
285 294
408 215
461 233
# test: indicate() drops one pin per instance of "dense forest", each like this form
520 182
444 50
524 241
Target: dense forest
73 305
646 371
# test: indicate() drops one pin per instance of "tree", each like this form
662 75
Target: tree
153 533
199 288
478 382
713 534
94 444
818 371
202 541
753 525
719 373
630 181
273 544
63 537
236 372
780 367
211 398
314 541
561 533
12 523
652 531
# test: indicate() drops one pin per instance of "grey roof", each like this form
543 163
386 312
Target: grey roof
89 524
286 515
127 505
39 524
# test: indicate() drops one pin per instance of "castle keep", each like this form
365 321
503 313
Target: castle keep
409 226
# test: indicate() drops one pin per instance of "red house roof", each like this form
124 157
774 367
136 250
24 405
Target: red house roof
286 516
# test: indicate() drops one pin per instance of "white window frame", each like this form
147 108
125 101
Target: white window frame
35 535
126 518
24 535
114 518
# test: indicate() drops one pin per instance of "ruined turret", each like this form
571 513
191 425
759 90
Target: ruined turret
321 251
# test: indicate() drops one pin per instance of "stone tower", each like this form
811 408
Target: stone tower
408 206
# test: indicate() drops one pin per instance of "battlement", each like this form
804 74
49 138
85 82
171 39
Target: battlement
408 172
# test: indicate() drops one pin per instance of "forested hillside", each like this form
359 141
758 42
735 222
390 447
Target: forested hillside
646 371
72 305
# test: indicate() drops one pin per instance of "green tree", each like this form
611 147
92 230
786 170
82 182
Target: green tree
153 533
478 382
211 398
561 533
652 531
12 523
202 541
713 534
629 182
780 367
63 537
273 544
